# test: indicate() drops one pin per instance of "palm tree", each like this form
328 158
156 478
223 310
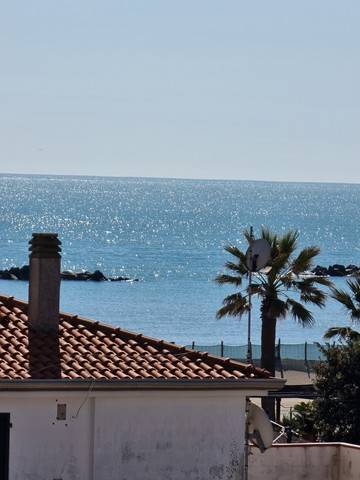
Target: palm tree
351 301
276 287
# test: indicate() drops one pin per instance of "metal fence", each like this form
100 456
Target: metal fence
300 356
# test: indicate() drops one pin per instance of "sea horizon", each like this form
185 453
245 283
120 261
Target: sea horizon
191 179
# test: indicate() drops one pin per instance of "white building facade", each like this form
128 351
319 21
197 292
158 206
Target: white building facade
126 434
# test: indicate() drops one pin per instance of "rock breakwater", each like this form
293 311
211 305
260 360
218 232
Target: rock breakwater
336 270
22 273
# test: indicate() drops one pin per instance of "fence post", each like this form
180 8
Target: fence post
306 361
278 409
279 358
222 348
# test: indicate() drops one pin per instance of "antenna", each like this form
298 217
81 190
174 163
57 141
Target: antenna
257 257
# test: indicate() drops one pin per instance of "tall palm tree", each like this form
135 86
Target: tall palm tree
276 287
351 301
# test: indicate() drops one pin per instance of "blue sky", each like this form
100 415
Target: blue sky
198 89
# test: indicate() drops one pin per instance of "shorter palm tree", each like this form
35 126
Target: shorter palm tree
277 288
351 301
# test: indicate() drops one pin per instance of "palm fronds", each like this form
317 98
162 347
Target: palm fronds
272 286
236 267
343 333
347 299
233 250
233 305
304 260
288 242
224 278
309 292
300 313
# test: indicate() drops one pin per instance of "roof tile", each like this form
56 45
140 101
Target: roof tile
91 350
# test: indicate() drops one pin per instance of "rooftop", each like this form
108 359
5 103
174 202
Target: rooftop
90 350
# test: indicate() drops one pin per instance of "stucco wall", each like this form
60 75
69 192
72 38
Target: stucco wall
43 448
330 461
295 462
127 436
170 436
350 462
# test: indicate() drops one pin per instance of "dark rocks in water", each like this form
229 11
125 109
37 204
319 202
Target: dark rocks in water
97 276
16 273
352 269
336 270
68 275
123 279
320 271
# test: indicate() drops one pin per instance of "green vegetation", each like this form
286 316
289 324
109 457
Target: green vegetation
335 414
277 287
351 301
302 420
342 333
337 409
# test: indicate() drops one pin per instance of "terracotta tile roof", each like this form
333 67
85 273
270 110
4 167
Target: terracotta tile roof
85 349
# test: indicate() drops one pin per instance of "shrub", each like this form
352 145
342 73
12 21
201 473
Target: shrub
337 408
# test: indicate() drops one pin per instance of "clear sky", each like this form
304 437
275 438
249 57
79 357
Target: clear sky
192 88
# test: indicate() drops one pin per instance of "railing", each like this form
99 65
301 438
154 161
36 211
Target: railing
300 356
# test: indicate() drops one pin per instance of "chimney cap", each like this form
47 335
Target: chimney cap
45 245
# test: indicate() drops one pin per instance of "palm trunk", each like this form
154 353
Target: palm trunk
268 337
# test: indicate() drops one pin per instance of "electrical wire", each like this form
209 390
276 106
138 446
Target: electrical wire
91 386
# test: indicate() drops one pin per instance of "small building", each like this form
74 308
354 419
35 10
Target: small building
82 400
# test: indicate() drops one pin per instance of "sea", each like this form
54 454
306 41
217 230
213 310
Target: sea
170 235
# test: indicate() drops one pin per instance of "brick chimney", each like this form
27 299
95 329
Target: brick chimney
44 284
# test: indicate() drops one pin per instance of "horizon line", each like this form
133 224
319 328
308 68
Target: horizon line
70 175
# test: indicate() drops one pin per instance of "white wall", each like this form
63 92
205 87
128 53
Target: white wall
127 435
170 436
307 461
42 448
350 462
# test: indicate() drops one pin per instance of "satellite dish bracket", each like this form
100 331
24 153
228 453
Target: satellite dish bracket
256 439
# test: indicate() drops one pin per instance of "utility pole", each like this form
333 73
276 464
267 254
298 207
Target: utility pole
249 349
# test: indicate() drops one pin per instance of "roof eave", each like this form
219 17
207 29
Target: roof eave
142 384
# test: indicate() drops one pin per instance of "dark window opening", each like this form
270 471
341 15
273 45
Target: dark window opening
4 445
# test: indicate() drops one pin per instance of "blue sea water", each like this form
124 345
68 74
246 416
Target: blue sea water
170 234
